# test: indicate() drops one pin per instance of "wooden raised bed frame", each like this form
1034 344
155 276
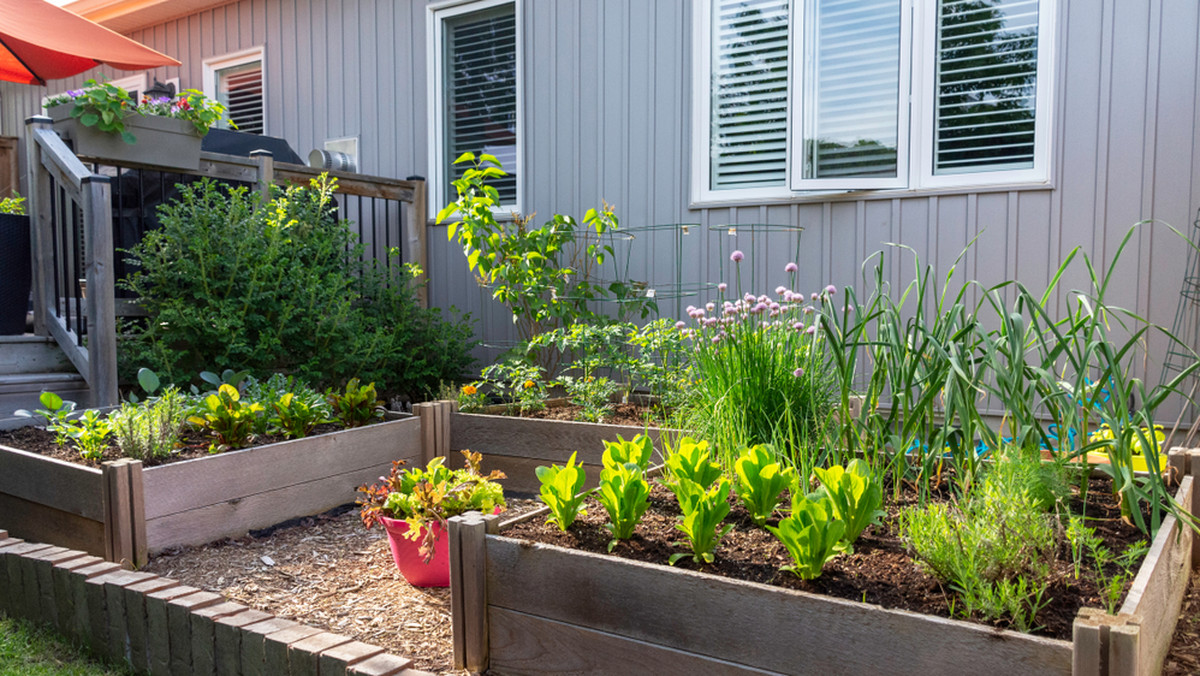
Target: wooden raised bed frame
125 511
523 607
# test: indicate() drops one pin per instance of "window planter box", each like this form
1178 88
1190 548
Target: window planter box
161 141
522 607
125 510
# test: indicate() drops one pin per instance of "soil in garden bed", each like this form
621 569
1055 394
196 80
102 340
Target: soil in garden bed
621 414
192 445
328 572
879 571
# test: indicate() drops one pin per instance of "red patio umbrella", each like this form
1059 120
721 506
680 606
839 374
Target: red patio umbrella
40 42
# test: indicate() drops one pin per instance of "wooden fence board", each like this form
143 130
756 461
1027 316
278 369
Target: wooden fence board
234 517
525 644
548 440
1157 592
731 619
39 523
65 486
180 487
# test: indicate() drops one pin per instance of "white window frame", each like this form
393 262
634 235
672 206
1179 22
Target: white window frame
231 60
436 14
915 143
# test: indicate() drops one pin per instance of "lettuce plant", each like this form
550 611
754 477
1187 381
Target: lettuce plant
295 417
637 451
90 434
760 480
855 497
432 494
704 508
810 534
57 411
227 418
692 460
562 491
625 495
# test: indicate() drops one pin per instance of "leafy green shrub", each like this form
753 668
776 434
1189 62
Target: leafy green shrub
279 288
150 429
562 491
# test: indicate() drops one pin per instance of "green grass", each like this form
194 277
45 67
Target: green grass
30 650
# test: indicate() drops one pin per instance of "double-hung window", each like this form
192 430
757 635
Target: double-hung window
820 95
475 95
236 80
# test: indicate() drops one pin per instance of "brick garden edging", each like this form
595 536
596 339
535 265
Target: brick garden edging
159 626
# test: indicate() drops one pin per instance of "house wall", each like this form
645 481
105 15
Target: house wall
608 112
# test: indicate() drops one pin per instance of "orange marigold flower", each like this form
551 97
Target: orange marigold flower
528 384
469 389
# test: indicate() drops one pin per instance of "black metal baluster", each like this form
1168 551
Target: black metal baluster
77 231
56 263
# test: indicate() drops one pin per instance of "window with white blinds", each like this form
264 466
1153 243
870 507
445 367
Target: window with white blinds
236 81
478 82
987 65
798 95
749 94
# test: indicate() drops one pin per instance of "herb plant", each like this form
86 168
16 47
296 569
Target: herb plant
562 491
227 418
810 534
703 511
150 429
358 405
593 394
760 480
427 496
855 497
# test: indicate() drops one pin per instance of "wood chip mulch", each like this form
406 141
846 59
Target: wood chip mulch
328 572
1184 656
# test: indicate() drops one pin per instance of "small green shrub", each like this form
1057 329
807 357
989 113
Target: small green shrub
280 288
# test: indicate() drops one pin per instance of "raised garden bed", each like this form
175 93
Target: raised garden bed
124 510
599 612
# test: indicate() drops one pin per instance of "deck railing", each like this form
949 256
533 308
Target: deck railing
71 205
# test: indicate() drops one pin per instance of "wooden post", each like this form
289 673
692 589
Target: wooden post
1176 465
38 206
1089 636
265 160
468 589
101 295
415 243
1193 469
125 514
425 412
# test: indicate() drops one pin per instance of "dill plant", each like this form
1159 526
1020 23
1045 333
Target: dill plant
759 372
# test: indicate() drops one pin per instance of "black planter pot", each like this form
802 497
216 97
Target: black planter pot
14 273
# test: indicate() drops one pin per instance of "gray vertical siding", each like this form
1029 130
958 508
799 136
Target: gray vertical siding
607 86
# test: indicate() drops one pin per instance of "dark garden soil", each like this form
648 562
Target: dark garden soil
192 445
1184 657
879 571
328 572
622 414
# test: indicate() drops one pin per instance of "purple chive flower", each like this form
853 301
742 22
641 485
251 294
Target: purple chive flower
709 306
722 286
815 296
691 309
811 330
680 325
759 308
808 310
831 289
790 267
798 372
780 290
737 256
799 326
716 339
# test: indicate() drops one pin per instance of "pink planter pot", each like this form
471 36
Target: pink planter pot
408 559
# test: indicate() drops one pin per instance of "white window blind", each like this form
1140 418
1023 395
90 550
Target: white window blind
749 109
480 94
987 60
240 89
851 99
